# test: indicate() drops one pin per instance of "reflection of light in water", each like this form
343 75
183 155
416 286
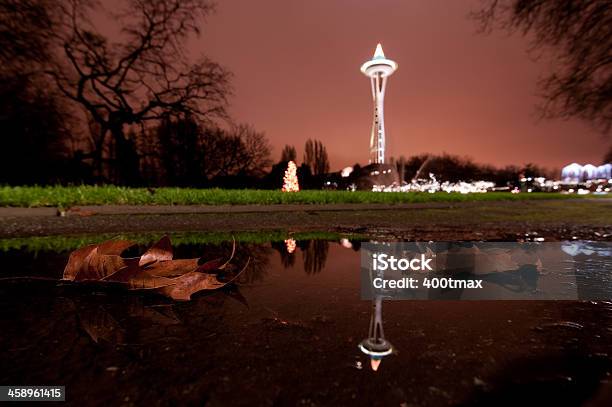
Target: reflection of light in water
290 243
376 346
346 243
585 248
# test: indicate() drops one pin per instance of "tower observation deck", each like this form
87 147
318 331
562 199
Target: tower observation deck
378 69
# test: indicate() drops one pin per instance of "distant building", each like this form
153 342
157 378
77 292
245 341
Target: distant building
604 171
578 173
373 175
588 172
572 173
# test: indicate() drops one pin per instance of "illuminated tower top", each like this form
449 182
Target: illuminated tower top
378 64
378 69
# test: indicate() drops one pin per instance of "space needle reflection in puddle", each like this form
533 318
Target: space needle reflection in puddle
375 345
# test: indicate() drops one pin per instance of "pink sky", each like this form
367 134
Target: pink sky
296 76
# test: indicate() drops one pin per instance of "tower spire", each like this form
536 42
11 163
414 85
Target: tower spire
378 69
379 54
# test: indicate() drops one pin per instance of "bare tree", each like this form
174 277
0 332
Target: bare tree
25 35
239 151
578 34
314 256
179 151
255 156
34 120
288 153
315 156
145 76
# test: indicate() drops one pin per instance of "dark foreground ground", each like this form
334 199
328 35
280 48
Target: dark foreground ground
505 220
288 336
288 333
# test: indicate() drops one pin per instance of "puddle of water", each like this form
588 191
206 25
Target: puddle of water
291 334
577 270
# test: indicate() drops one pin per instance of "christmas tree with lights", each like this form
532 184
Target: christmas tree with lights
290 180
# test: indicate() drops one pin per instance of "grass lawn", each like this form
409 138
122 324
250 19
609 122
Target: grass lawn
63 243
64 197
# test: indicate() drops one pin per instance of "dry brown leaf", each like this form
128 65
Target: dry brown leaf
145 281
137 278
231 255
154 270
124 271
211 266
114 247
172 268
89 263
76 261
79 212
160 251
98 266
190 283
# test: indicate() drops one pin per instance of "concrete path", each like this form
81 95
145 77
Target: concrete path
553 219
11 212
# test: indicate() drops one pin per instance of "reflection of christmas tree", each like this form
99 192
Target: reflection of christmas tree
290 180
290 245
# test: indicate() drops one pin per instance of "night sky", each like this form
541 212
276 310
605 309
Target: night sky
296 76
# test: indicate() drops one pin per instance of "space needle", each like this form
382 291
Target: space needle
378 69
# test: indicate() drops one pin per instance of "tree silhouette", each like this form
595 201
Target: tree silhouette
579 34
33 134
190 154
452 168
288 153
179 151
34 126
239 151
314 255
145 76
255 157
315 156
26 35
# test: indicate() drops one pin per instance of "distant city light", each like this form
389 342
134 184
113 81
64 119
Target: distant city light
433 185
346 172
